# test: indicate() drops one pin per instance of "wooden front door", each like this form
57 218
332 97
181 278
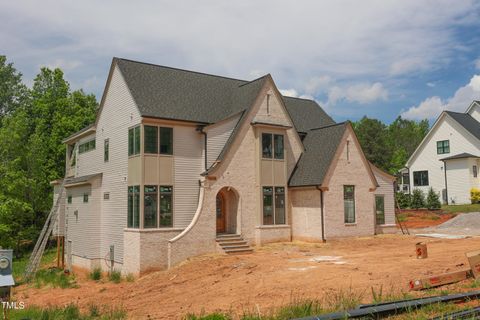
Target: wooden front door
220 213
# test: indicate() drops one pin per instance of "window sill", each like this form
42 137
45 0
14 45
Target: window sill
152 230
352 224
273 226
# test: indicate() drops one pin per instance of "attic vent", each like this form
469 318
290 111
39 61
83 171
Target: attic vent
268 103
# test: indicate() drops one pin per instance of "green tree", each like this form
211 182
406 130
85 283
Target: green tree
433 200
13 93
373 137
418 199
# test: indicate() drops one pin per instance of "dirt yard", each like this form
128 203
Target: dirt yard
272 276
416 219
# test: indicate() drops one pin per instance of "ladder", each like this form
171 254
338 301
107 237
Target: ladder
40 245
398 210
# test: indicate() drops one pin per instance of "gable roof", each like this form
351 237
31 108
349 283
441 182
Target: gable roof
466 121
460 156
320 147
176 94
381 172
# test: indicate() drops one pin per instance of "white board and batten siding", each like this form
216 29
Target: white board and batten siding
217 136
188 166
426 157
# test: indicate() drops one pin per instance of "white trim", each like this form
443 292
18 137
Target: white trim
470 107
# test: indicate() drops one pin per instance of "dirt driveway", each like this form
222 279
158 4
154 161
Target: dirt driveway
270 277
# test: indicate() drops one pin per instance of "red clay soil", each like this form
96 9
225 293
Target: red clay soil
270 277
416 219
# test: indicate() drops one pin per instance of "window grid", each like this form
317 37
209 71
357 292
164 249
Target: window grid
443 147
273 205
349 203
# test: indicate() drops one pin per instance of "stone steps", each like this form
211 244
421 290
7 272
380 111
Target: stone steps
233 244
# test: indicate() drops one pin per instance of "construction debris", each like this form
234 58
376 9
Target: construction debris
421 250
440 280
465 314
474 261
390 308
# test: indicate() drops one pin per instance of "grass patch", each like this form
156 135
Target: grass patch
402 217
55 278
115 277
19 265
130 277
462 208
95 274
70 312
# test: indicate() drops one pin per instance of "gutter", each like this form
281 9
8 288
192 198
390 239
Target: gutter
322 214
446 183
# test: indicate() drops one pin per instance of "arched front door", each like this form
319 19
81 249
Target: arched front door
221 214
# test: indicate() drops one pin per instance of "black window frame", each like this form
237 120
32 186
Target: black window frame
133 207
87 146
166 141
475 171
269 146
165 192
150 193
106 150
69 199
380 218
420 178
134 140
272 197
443 146
349 197
85 197
278 155
150 139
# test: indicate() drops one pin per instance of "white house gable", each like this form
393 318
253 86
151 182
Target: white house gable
474 110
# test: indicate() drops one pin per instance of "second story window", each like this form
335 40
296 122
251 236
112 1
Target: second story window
86 146
134 141
272 146
443 147
166 140
151 139
106 150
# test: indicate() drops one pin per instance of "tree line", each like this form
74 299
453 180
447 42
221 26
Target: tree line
33 123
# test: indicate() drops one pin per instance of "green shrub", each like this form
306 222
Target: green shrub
475 195
404 200
96 274
115 276
418 199
433 200
129 277
55 278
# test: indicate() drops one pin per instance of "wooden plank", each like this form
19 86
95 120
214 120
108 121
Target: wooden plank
440 280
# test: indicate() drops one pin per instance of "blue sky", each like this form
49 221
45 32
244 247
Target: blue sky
376 58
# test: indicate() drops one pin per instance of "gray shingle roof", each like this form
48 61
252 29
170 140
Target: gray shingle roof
169 93
460 156
82 179
320 147
466 121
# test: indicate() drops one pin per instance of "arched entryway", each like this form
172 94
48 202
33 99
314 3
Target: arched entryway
226 210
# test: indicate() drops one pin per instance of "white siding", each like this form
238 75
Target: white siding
459 177
217 136
385 188
475 112
188 165
118 114
82 226
428 159
89 162
59 227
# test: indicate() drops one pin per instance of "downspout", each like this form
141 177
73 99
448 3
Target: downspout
200 129
322 214
446 184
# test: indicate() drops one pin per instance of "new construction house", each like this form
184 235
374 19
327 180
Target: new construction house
181 163
447 159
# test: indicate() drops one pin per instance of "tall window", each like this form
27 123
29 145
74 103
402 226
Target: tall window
86 146
133 216
85 197
443 147
166 216
106 151
150 200
349 203
272 146
420 178
273 205
69 199
166 140
278 146
134 141
380 209
475 171
151 139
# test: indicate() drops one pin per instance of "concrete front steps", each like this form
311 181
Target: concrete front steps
233 244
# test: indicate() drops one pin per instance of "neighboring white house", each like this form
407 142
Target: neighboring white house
181 163
448 157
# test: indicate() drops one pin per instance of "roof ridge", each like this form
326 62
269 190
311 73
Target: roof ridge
456 112
179 69
299 98
250 82
328 126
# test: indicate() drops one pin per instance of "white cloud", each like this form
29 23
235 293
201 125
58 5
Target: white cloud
289 92
373 40
362 93
431 84
432 107
65 65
